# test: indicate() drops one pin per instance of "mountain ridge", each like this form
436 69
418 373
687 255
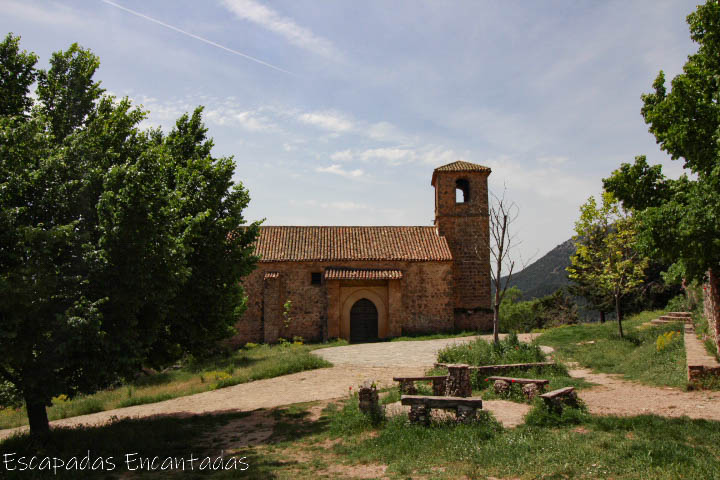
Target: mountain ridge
546 275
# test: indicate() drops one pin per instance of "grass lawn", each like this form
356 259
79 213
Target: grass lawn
344 443
638 356
576 446
244 365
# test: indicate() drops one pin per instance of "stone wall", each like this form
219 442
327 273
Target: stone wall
711 304
421 301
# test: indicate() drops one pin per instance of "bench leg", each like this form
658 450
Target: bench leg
572 400
465 414
554 405
439 387
530 390
407 387
557 404
419 414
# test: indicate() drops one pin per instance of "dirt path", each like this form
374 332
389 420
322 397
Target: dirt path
615 396
309 386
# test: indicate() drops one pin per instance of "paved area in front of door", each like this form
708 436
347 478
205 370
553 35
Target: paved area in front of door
397 354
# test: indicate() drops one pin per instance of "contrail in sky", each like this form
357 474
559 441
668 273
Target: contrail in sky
196 37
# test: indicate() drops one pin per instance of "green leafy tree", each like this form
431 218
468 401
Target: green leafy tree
585 261
680 219
610 260
118 247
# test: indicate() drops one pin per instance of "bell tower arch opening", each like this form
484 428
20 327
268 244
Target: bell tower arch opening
462 191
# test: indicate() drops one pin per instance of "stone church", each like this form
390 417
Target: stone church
368 283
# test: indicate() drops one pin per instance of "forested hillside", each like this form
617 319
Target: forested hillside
546 275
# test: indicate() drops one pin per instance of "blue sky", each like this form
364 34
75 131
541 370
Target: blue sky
344 108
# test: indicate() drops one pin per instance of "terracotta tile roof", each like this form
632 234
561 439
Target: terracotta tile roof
459 166
462 167
271 275
361 274
412 244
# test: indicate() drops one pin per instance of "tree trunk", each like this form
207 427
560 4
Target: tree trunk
602 316
496 323
38 419
618 313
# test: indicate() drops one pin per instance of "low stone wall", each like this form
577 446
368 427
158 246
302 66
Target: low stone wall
702 368
711 304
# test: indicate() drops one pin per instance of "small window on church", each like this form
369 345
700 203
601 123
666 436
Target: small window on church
462 191
315 278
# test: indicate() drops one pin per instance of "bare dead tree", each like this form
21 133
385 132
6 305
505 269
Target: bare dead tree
503 245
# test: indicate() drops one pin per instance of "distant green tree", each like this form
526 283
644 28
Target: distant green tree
118 247
555 309
584 262
610 260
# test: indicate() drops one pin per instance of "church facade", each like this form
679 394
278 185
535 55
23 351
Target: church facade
368 283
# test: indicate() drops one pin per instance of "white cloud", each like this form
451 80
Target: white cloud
217 112
328 120
393 156
338 170
51 13
269 19
250 120
342 156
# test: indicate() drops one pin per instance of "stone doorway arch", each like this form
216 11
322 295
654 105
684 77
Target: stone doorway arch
363 321
376 295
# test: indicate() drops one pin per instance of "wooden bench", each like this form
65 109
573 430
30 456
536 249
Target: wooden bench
539 382
560 397
489 369
407 384
421 406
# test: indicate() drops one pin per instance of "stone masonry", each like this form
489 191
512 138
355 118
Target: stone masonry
711 304
368 283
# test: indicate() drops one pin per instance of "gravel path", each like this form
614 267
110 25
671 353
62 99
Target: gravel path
398 354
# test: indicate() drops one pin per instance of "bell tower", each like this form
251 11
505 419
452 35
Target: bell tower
461 216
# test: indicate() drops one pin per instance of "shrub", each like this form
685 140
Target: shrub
543 416
549 311
480 352
665 339
678 303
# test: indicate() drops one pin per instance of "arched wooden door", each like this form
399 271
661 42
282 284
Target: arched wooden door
363 321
